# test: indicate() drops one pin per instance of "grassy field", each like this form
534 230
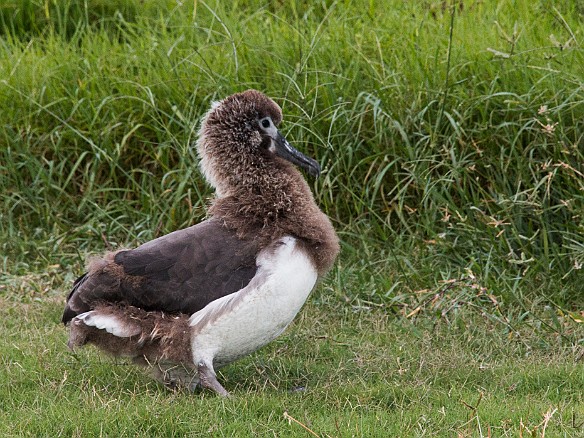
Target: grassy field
452 143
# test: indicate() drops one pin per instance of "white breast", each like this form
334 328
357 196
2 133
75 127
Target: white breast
240 323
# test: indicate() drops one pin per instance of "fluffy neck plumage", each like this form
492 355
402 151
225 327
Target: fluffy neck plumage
274 204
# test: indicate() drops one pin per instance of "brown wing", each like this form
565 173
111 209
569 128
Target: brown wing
181 272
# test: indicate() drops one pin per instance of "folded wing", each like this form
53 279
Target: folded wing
180 272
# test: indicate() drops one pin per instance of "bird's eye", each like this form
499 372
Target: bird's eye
265 123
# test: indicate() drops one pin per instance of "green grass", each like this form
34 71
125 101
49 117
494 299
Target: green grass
420 143
340 370
452 148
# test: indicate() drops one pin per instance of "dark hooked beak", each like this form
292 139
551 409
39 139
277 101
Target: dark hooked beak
285 150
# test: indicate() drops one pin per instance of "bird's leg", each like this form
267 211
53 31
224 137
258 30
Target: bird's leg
172 375
208 379
179 376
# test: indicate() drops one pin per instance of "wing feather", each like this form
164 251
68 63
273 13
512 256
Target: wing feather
180 272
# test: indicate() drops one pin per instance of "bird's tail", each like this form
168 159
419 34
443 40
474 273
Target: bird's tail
69 313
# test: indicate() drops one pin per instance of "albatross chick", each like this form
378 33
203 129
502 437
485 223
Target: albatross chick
197 299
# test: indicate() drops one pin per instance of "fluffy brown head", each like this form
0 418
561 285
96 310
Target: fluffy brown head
260 193
232 144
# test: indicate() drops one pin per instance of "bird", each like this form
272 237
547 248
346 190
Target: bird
197 299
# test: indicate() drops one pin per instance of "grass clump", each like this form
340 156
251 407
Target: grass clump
468 145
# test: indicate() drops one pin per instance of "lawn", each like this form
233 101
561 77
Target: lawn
339 371
451 136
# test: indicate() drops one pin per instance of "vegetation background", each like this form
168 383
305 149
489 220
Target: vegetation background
452 140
